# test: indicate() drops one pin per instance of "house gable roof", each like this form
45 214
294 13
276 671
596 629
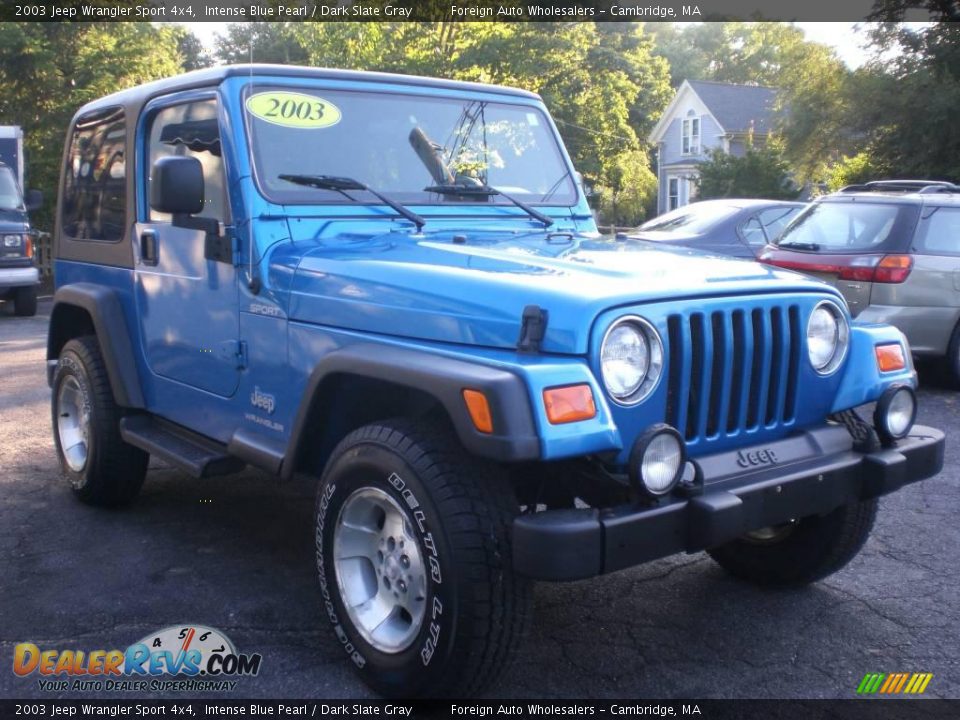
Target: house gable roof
734 107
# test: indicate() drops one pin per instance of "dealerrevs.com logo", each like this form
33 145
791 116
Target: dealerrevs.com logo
184 658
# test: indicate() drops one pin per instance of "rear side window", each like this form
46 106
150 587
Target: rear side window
774 220
94 186
939 233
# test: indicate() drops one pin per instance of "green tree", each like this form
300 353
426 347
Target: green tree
48 70
193 55
260 42
859 168
761 172
631 189
903 104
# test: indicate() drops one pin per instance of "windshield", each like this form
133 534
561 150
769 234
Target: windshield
400 145
690 219
844 227
10 198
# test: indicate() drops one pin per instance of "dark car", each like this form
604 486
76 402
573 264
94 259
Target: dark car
892 247
738 227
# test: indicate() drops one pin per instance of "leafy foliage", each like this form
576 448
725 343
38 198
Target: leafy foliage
762 172
48 70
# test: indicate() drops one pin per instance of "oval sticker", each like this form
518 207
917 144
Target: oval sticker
294 110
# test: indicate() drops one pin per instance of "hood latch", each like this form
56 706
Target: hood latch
533 328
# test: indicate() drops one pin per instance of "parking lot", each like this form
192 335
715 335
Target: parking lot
235 553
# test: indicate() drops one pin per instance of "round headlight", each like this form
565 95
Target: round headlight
657 460
828 336
631 359
895 413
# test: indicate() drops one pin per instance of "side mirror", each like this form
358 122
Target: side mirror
176 185
33 201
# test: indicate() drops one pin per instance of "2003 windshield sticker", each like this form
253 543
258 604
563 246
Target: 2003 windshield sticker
179 658
295 110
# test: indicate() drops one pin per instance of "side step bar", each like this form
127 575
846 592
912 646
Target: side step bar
194 454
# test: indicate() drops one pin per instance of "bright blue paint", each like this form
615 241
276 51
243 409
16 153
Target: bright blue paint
335 275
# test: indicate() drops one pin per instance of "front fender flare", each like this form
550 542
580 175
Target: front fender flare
514 437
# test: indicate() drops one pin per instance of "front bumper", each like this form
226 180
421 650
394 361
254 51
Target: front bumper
816 472
18 276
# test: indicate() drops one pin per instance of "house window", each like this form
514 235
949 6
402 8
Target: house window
673 193
691 136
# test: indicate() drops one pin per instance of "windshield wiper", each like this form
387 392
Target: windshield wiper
486 190
341 184
800 245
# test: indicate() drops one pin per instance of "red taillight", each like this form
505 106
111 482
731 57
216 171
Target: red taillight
893 269
859 268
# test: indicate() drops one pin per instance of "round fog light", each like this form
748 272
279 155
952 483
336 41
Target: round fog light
895 413
657 460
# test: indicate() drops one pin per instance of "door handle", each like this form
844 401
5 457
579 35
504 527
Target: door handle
149 247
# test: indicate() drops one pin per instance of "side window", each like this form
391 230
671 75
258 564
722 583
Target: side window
94 187
939 234
191 130
752 231
775 220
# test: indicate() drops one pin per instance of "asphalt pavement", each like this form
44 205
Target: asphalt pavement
235 553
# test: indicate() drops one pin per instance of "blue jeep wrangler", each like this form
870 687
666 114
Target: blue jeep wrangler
394 285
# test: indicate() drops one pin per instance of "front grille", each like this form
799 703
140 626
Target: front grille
732 371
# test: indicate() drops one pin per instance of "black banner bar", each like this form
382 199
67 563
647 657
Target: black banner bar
466 10
194 709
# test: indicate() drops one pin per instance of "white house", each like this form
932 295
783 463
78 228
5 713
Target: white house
701 116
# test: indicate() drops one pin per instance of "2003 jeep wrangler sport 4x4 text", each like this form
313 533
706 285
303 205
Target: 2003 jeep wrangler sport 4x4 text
395 285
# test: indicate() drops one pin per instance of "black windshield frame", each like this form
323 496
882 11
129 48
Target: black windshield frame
312 196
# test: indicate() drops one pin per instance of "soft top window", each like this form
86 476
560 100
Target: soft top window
94 184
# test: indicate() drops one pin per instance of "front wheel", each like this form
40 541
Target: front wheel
801 551
414 556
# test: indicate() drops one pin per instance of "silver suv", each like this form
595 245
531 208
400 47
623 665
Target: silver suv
892 248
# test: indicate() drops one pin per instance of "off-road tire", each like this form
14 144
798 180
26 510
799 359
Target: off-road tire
814 548
114 471
25 301
464 508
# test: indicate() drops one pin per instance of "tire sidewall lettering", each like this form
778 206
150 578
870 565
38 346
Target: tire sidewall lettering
327 511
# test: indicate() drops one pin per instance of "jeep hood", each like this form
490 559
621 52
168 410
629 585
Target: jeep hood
473 290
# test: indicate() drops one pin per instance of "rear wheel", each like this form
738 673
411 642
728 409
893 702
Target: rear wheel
25 301
801 551
101 467
413 552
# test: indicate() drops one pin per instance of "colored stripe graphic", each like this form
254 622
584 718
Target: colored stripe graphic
894 683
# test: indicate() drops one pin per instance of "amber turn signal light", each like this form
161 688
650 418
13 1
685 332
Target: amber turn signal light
569 404
890 357
479 410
